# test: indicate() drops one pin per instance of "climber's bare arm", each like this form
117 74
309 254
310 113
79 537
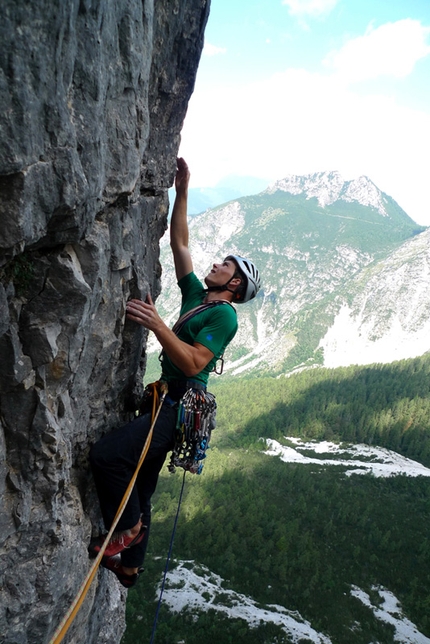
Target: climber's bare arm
179 224
190 358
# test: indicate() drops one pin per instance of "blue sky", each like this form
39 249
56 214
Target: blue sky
299 86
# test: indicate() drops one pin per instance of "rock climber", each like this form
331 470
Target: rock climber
188 357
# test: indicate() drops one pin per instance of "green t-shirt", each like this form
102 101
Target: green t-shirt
213 328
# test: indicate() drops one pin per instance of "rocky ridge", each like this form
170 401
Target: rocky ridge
329 187
94 95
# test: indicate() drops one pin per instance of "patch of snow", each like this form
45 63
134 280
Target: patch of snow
378 461
350 340
390 612
186 587
193 586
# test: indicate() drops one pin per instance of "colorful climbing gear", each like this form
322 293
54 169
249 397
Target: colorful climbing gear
195 422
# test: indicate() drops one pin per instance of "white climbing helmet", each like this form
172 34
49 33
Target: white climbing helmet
250 271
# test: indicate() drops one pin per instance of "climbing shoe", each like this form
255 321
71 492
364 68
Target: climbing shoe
114 564
118 542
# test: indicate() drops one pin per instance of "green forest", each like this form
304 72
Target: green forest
300 535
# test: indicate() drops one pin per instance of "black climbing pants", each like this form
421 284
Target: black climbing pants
113 461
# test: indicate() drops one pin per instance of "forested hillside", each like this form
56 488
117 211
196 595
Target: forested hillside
386 405
301 536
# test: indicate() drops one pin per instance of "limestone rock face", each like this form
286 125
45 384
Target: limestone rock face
93 94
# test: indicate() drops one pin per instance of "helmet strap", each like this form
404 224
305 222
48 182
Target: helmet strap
223 287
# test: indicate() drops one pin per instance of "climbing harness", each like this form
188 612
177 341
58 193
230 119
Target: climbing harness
159 388
194 424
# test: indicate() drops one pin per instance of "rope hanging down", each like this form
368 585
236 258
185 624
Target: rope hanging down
83 590
166 568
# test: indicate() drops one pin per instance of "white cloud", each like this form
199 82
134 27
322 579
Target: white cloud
213 50
390 50
298 122
310 7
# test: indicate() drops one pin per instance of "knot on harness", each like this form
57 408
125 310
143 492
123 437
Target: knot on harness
151 399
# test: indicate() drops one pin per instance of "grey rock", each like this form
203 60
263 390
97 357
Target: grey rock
93 98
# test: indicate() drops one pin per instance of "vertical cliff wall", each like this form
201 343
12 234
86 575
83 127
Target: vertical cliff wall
93 94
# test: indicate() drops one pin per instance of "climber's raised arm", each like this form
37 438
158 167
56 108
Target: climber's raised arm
179 224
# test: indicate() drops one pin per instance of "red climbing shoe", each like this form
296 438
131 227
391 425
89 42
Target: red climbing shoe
118 542
114 564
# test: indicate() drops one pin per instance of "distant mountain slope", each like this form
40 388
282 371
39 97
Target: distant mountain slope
228 188
388 318
312 237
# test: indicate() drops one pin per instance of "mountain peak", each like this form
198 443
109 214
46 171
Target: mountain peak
330 186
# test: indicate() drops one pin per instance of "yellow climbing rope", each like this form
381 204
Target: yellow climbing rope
83 590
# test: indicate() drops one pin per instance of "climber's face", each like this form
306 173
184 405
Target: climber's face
221 274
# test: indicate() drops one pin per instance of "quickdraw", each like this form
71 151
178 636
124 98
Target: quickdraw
194 425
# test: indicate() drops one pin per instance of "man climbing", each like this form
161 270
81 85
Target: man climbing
190 353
